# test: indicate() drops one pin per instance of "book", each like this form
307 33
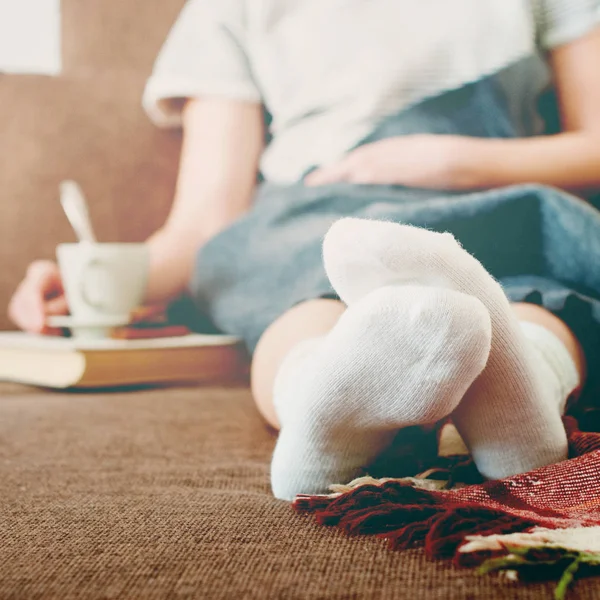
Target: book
61 362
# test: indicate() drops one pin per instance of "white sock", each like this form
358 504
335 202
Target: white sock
505 418
399 357
557 367
555 362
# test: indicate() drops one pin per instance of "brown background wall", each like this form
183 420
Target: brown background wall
86 125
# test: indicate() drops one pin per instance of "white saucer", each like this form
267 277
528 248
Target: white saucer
96 327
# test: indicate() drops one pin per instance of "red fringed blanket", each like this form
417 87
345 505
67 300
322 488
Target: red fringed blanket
566 495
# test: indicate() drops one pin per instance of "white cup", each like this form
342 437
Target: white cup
103 282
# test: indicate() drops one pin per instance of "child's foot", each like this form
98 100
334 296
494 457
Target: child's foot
510 417
401 356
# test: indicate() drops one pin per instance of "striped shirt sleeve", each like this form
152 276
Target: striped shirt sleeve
563 21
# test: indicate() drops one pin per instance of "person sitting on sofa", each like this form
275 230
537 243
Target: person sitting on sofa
329 239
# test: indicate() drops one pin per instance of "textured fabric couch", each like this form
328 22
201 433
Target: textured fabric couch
154 493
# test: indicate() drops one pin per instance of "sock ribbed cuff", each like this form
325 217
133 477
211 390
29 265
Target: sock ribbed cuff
556 355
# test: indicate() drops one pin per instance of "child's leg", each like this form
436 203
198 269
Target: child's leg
511 416
342 382
305 321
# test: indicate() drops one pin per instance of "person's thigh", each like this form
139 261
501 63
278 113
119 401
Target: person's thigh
307 320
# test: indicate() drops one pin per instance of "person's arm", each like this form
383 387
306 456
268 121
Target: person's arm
569 160
223 141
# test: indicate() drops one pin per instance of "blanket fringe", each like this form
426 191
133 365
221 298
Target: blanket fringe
408 517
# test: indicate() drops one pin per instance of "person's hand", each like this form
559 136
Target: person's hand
424 161
38 296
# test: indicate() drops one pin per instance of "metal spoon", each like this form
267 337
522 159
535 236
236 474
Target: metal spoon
75 207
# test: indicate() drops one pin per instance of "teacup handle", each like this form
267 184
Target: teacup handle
91 264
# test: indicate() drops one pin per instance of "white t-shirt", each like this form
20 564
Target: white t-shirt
329 70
